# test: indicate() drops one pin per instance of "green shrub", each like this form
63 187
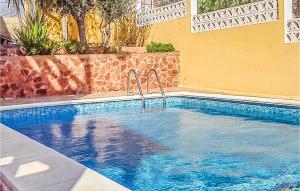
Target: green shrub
74 47
33 38
160 47
166 2
205 6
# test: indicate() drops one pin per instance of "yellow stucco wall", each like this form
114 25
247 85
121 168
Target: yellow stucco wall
248 60
93 24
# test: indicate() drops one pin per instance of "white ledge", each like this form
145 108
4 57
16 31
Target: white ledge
26 165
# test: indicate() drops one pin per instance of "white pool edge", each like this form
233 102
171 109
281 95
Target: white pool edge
290 102
35 166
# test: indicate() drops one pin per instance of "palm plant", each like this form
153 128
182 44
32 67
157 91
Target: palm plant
33 38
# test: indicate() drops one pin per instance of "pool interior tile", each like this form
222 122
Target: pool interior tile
227 107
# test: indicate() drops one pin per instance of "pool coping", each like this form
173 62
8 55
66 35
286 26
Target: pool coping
26 165
87 178
289 102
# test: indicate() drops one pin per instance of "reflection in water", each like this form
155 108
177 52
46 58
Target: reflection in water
108 144
118 147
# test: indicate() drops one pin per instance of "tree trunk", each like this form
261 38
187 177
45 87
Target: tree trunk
64 25
81 29
106 34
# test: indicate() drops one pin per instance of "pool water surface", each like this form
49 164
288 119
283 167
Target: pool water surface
191 145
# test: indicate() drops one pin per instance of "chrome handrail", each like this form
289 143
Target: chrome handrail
159 84
138 84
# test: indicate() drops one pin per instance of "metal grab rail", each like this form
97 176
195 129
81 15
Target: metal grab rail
159 84
138 84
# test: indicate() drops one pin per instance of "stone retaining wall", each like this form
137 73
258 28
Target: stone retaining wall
32 76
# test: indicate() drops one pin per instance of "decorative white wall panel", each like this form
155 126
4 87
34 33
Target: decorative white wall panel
164 13
293 30
6 10
248 14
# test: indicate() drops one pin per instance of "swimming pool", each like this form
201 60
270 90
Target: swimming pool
194 144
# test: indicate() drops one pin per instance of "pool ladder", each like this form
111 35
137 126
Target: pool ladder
159 84
138 83
148 83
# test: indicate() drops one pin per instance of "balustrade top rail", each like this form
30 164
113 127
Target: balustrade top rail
164 13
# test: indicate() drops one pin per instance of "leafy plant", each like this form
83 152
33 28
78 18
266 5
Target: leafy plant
165 2
111 11
205 6
160 47
74 47
77 8
296 8
33 37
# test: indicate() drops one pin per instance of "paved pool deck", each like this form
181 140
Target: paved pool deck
26 165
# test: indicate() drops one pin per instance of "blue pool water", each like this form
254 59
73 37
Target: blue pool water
194 144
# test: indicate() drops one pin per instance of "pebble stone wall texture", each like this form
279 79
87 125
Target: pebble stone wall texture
33 76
